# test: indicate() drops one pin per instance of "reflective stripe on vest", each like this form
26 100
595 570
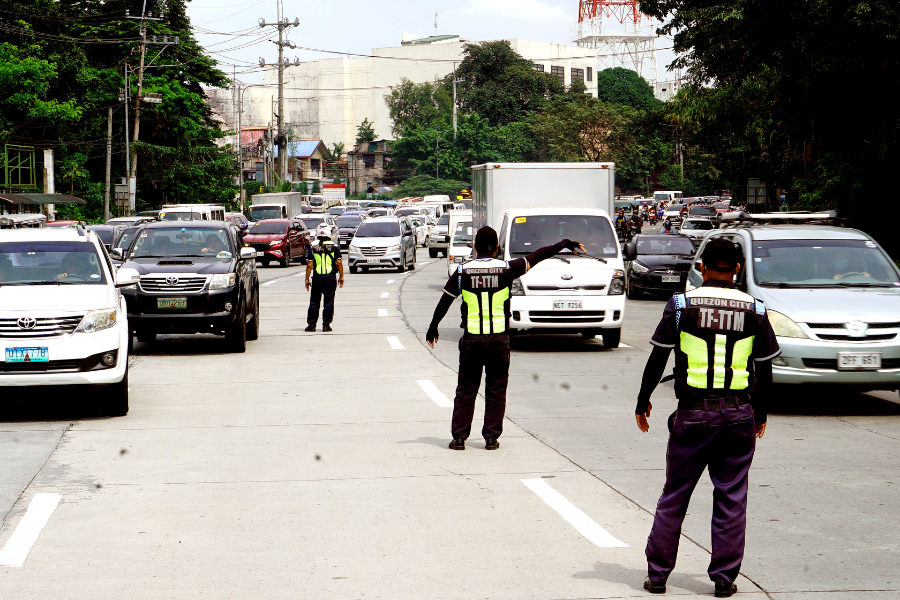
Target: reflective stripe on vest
739 358
485 315
324 263
697 356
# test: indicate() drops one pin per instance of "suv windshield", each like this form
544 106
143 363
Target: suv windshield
664 245
260 214
383 229
463 234
181 241
46 263
348 221
704 224
269 228
821 263
127 237
530 233
704 211
312 222
444 220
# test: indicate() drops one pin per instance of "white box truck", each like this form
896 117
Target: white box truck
531 205
278 205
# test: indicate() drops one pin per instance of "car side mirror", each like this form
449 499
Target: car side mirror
116 253
630 251
247 253
126 277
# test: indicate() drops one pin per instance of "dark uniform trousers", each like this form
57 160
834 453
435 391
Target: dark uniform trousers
322 285
489 353
724 441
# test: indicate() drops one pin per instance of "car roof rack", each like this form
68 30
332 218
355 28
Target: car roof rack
744 219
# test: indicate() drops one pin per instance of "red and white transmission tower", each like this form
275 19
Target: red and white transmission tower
622 36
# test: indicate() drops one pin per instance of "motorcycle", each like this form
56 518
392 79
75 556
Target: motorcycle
633 230
653 218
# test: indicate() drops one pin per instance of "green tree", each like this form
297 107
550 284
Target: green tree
72 169
303 188
624 86
365 132
424 185
415 105
337 151
317 187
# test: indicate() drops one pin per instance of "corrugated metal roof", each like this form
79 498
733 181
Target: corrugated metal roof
41 199
305 148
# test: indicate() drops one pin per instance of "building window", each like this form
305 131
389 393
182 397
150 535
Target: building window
577 75
369 161
315 164
560 73
590 73
539 68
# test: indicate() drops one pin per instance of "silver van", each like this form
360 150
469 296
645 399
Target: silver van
832 294
383 242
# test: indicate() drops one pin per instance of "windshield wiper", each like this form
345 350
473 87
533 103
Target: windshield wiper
860 284
601 259
784 284
48 283
565 260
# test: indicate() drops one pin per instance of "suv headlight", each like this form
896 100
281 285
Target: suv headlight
638 267
785 326
617 285
395 248
276 242
353 248
517 289
95 320
221 281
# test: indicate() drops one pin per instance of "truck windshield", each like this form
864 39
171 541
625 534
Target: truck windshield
661 197
181 241
262 213
48 263
347 221
822 263
530 233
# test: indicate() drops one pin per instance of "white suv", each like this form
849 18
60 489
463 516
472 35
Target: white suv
62 320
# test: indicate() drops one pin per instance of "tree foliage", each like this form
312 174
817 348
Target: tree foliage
624 86
365 132
425 185
413 105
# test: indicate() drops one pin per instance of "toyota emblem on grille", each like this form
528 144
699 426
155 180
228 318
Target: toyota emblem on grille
566 277
170 280
26 322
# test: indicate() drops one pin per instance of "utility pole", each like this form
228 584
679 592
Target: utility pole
437 167
282 23
108 165
455 81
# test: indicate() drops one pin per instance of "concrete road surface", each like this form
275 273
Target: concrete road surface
316 466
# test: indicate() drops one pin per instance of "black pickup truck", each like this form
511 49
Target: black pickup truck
196 277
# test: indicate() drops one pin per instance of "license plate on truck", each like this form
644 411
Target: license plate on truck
171 303
17 355
858 361
567 305
671 278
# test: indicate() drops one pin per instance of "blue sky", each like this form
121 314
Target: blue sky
229 28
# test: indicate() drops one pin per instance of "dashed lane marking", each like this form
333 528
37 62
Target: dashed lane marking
435 394
394 341
26 534
390 281
384 294
271 282
582 523
382 312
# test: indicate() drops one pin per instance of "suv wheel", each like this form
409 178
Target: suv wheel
236 336
402 267
354 269
253 328
412 267
115 397
286 261
146 336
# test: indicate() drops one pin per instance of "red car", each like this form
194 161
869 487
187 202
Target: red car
283 240
66 224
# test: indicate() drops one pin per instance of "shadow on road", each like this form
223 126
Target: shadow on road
182 345
820 401
50 403
557 343
634 578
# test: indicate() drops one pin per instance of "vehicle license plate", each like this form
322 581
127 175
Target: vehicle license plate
671 278
17 355
258 254
567 305
373 260
849 361
171 303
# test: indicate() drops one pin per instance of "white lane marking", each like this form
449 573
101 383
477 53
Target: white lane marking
621 345
390 281
384 294
382 312
271 282
26 534
424 263
435 394
582 523
394 341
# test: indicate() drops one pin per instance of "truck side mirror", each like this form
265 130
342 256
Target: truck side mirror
630 251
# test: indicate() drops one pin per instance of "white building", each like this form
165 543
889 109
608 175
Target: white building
327 99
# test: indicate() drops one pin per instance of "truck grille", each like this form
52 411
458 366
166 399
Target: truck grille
566 316
172 284
373 251
44 327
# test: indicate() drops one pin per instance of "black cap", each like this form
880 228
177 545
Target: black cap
485 240
721 254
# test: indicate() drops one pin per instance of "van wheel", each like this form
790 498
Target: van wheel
146 336
236 336
115 397
412 267
611 337
364 269
432 253
253 328
588 335
402 267
265 263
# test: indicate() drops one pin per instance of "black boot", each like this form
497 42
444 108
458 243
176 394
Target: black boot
458 444
725 589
